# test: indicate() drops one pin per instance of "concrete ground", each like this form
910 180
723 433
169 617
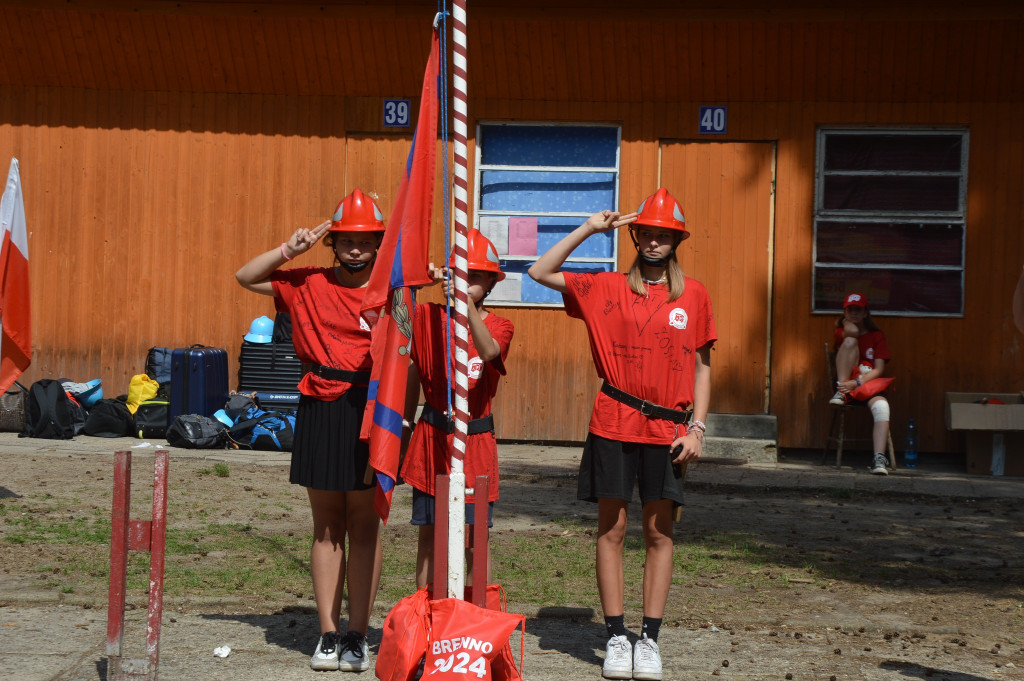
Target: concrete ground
46 638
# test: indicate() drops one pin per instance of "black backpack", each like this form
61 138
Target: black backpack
48 411
193 431
282 328
109 418
158 365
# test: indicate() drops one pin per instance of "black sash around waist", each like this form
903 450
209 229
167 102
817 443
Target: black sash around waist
332 374
440 421
644 407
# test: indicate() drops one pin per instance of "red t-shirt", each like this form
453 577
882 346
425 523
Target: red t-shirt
429 448
872 346
326 326
643 345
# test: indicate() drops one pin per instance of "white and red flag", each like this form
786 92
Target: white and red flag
15 311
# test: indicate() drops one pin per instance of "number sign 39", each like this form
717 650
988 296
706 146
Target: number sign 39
713 120
396 113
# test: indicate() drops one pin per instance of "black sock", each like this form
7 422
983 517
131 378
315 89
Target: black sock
652 625
616 625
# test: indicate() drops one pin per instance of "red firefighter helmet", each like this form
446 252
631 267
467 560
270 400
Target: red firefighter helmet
357 212
482 256
661 210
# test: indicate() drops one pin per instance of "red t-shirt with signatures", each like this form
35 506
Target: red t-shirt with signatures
429 447
327 328
643 345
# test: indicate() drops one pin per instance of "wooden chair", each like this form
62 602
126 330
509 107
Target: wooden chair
837 428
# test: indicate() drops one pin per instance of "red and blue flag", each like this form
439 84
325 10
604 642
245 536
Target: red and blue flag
389 303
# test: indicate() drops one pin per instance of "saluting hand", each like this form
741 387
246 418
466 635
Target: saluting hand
304 239
608 220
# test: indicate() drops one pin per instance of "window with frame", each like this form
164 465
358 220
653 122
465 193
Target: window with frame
535 183
890 210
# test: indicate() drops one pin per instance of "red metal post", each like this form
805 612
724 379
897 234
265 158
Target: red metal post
441 536
136 535
118 556
157 553
481 488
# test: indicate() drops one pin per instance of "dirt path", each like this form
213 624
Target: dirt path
856 585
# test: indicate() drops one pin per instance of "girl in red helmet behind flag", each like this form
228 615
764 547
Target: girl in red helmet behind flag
651 333
328 458
429 452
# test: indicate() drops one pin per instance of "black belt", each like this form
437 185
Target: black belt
332 374
484 424
644 407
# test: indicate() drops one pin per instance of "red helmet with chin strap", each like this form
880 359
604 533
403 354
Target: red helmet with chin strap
660 209
357 212
482 256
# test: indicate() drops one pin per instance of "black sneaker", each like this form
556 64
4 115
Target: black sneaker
325 659
355 653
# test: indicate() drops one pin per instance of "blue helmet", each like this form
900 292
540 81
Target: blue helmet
261 330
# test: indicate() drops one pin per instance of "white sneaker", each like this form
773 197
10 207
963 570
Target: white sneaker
839 399
646 660
325 659
879 466
618 659
355 654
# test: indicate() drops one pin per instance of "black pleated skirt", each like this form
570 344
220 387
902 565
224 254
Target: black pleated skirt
327 453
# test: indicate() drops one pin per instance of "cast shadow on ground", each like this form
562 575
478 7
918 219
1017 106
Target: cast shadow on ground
916 671
579 637
8 494
296 629
101 669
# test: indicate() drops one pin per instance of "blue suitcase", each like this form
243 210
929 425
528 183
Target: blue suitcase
199 381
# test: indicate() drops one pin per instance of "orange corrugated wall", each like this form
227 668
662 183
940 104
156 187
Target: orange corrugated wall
162 149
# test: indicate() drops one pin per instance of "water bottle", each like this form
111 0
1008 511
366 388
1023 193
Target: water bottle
910 453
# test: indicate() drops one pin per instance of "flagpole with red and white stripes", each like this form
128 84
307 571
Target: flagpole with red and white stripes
457 488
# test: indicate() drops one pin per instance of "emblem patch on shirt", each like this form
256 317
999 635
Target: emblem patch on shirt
870 353
677 318
363 326
476 365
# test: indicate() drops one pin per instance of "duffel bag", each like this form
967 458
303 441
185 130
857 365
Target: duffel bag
108 418
266 430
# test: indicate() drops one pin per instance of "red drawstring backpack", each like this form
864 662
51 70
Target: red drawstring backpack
407 628
466 640
404 640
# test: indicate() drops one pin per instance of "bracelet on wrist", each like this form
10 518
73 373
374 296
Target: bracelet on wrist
858 381
284 253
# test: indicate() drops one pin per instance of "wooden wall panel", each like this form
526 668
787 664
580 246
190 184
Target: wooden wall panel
238 48
162 149
137 226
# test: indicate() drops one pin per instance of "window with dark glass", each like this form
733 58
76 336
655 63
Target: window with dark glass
889 219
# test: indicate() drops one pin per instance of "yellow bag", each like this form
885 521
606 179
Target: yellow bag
141 388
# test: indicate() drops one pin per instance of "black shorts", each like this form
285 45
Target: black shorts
423 510
327 453
609 469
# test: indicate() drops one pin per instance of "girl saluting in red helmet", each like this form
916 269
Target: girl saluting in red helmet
328 459
651 333
429 452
